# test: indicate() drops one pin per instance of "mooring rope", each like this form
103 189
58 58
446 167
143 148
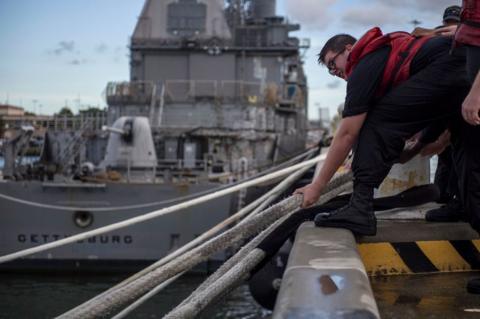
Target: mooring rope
160 212
224 279
135 289
265 199
226 283
231 262
125 312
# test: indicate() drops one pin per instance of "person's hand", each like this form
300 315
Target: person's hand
412 148
438 146
311 194
471 108
421 32
433 149
448 31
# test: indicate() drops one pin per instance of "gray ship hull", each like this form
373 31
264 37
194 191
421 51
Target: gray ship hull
25 223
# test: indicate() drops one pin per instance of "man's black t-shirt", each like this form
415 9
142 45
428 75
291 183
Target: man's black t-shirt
367 75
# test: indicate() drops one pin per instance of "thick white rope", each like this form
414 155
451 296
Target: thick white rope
157 213
140 301
225 284
140 286
232 261
235 270
254 243
264 200
135 289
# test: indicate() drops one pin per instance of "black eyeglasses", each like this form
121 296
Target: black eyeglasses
332 65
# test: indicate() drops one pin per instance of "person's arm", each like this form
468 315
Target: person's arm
448 31
438 146
422 32
432 140
471 105
342 143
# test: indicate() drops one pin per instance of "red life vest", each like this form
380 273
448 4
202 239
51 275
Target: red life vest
468 31
404 47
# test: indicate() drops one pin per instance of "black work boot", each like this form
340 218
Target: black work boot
452 212
357 216
473 286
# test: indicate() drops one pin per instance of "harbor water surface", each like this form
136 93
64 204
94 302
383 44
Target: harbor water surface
47 296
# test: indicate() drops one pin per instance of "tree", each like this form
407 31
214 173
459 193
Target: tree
65 111
92 111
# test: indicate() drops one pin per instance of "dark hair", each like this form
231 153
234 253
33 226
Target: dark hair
336 44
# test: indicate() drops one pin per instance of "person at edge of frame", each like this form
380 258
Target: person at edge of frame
466 148
446 178
466 131
397 85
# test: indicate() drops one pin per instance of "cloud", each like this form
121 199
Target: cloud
311 13
369 16
78 61
101 48
334 85
63 47
431 5
393 13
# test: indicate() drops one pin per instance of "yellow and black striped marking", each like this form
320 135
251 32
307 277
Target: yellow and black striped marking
420 257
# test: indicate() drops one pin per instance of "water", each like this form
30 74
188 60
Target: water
42 296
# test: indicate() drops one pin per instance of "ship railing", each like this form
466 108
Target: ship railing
136 92
182 164
75 123
190 90
187 90
243 90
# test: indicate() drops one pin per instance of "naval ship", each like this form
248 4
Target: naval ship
217 93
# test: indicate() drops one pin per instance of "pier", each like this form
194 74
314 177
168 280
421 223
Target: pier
330 274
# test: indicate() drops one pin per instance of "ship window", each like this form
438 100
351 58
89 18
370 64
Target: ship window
186 17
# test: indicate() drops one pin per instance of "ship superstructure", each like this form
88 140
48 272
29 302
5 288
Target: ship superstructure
223 88
217 93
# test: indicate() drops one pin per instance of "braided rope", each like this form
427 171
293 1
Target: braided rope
234 275
135 289
138 287
264 201
225 279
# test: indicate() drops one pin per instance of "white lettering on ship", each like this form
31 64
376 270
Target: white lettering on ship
46 238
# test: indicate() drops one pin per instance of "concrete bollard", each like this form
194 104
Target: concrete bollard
325 278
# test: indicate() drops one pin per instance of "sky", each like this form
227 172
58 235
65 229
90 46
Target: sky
63 52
